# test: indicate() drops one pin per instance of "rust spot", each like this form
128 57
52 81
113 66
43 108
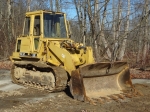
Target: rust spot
76 86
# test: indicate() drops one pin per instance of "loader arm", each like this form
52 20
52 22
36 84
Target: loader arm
63 55
77 88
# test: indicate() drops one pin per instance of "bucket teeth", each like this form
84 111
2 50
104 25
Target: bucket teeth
133 89
99 100
134 94
139 93
125 91
106 99
87 99
92 102
46 87
114 97
128 95
120 96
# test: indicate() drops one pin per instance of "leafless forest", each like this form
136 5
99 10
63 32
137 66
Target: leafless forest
116 29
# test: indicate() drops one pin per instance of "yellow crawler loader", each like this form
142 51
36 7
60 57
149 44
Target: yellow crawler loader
46 58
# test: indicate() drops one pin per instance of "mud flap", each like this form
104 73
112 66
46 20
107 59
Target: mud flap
76 86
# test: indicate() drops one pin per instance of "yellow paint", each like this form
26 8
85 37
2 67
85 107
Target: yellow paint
50 50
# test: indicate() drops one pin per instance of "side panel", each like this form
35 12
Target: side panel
63 56
25 45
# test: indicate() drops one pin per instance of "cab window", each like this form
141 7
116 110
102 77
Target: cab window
27 26
54 26
36 31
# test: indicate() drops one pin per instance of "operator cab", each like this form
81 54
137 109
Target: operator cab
46 24
40 26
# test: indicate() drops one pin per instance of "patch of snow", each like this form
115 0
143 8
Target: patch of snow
141 81
7 85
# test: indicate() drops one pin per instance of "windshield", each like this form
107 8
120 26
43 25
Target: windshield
54 26
27 26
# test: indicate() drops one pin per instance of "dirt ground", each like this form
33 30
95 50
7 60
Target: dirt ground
15 98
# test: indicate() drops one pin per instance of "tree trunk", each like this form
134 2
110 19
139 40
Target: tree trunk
57 6
79 15
118 30
95 39
51 5
145 37
12 23
122 49
8 37
9 19
92 27
84 24
28 5
114 30
105 43
1 10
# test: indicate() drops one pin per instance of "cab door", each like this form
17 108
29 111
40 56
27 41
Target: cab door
36 32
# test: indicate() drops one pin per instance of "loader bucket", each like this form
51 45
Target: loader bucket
100 80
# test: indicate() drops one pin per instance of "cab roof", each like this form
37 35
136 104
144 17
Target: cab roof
42 11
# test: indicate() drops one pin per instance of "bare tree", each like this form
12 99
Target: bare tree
57 5
145 43
119 21
114 31
123 46
107 31
108 52
51 5
28 4
80 9
9 19
1 12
